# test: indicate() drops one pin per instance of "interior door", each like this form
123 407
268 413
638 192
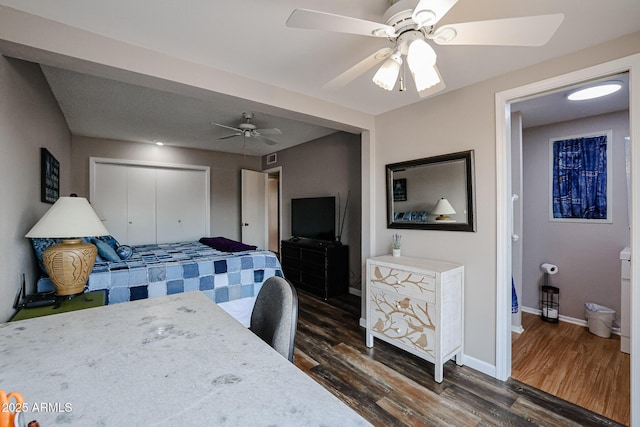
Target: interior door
254 208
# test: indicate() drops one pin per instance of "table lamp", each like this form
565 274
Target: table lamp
69 262
443 209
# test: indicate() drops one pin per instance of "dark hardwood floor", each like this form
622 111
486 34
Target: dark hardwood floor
390 387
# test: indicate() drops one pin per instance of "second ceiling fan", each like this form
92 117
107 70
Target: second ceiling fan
408 25
249 130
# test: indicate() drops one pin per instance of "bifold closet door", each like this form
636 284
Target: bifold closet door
110 198
181 205
141 205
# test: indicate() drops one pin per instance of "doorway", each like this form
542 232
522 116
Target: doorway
563 359
505 207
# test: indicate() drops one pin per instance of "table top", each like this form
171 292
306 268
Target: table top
174 360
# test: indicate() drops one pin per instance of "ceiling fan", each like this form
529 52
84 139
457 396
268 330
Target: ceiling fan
249 130
409 25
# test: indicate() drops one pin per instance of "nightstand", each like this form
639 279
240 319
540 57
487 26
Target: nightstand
78 302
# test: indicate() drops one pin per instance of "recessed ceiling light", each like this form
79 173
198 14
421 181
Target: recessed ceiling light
596 91
159 143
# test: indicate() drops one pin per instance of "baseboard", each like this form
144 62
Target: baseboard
517 329
363 322
567 319
354 291
479 365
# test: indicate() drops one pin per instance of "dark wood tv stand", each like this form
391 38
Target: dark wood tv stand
315 266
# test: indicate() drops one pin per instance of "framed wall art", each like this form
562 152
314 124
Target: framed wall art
49 177
580 178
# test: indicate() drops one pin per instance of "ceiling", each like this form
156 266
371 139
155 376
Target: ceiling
249 38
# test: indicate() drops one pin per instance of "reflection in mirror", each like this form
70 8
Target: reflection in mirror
434 193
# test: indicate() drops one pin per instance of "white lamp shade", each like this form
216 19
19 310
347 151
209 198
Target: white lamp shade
69 217
422 59
387 75
443 207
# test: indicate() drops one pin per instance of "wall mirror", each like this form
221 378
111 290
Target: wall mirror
435 193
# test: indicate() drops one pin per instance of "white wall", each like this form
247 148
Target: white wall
225 173
587 254
461 120
29 119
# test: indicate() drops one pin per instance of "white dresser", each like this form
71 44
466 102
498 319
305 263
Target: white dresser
417 305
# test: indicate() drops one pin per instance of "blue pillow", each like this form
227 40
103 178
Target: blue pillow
124 252
105 250
111 241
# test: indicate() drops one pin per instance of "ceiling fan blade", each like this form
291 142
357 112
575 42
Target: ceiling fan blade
314 20
274 131
226 127
230 136
524 31
265 140
435 88
358 69
429 12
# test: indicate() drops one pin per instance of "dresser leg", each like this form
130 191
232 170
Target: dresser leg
369 340
438 372
459 360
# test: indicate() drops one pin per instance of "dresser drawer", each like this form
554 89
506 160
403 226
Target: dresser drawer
412 284
402 320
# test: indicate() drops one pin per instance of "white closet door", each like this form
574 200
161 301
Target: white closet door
181 205
141 201
195 205
110 198
169 205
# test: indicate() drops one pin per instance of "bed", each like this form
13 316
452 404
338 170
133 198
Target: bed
231 279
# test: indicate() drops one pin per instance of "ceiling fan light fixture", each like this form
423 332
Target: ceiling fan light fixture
387 74
425 78
595 91
420 55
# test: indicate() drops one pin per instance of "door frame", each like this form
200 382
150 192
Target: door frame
504 220
278 170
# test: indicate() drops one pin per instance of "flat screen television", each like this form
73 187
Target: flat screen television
314 218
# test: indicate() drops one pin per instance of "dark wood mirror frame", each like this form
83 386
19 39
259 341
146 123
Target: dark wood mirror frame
415 186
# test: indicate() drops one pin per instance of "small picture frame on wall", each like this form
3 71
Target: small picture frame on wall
49 177
400 190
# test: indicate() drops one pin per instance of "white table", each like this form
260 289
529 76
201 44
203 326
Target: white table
174 360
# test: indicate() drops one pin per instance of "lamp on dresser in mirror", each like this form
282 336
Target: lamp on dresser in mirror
443 209
69 262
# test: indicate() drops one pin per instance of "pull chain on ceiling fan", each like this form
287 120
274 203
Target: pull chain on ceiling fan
409 25
249 130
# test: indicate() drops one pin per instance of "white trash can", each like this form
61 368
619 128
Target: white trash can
599 318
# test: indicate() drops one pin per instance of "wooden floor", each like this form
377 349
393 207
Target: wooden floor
390 387
568 361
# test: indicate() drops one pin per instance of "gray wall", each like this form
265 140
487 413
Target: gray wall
29 119
225 173
328 166
587 254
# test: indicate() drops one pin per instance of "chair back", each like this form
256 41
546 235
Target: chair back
275 315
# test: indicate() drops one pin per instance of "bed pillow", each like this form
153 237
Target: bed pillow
110 240
105 250
226 245
124 252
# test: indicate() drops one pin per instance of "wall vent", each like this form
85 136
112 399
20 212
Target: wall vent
272 158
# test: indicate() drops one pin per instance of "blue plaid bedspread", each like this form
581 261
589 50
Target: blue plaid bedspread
165 269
